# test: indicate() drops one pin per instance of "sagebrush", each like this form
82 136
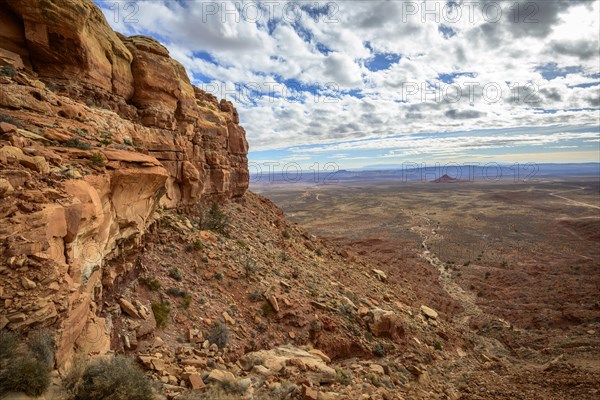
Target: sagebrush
115 378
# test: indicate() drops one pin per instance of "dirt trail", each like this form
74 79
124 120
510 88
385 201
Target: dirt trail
571 201
487 345
467 300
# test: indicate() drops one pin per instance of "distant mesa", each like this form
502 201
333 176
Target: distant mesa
446 179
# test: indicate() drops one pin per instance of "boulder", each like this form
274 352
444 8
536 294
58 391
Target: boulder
196 382
429 312
128 308
27 283
314 368
385 324
309 393
6 188
380 275
36 163
220 376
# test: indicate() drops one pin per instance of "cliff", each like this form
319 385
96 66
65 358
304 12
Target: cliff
97 132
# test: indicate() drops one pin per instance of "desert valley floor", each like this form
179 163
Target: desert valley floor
524 255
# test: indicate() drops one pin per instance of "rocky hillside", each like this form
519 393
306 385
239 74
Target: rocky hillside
98 131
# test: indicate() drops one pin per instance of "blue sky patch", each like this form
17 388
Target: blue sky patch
320 11
323 49
382 61
303 32
203 55
449 78
446 31
551 71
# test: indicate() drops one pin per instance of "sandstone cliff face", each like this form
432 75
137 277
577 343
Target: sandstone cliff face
97 131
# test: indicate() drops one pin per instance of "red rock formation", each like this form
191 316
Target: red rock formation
68 39
97 131
70 46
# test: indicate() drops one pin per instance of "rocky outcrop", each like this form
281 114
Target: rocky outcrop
97 131
70 47
67 39
312 364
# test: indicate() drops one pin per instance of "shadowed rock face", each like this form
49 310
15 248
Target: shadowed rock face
98 131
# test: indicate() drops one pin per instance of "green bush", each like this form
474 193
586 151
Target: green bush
315 326
379 350
73 379
115 378
219 334
175 292
175 273
24 373
255 296
267 309
187 298
161 313
195 246
215 219
23 369
81 132
78 144
8 70
153 284
97 160
343 377
250 267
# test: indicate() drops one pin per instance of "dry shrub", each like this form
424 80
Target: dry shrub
115 378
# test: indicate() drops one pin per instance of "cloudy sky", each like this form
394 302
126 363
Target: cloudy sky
362 83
